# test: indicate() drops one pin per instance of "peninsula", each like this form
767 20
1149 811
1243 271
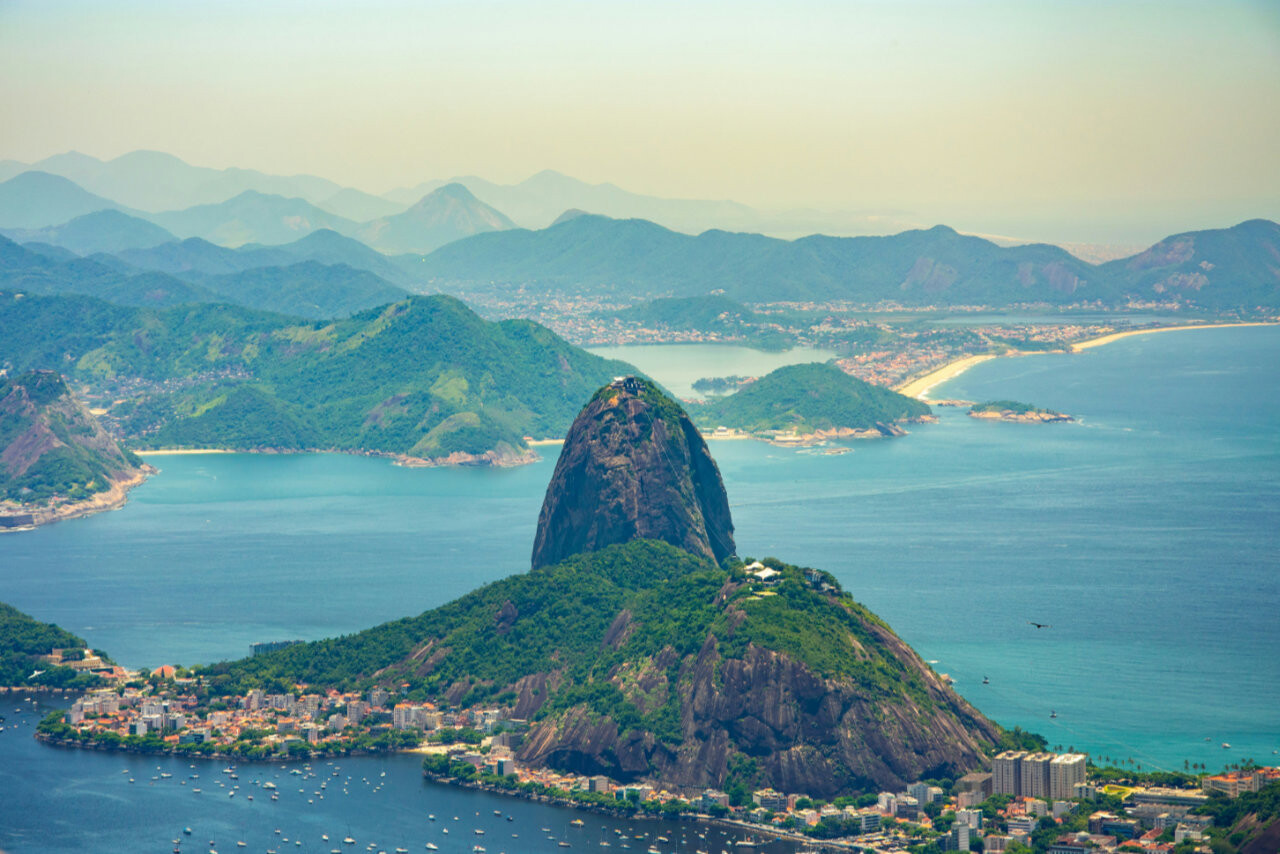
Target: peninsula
56 460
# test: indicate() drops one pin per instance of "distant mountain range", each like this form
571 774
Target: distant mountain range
461 236
442 216
1223 269
196 272
539 200
34 206
107 230
33 200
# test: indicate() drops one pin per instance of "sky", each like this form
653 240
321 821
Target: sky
1075 120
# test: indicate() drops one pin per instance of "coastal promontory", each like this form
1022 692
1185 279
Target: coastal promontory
56 460
647 651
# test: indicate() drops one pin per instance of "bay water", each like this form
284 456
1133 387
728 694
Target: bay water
1145 535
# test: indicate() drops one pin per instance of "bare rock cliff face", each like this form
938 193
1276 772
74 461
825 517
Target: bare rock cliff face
633 466
801 732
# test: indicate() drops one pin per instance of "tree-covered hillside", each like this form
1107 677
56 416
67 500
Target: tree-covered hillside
806 398
23 639
51 447
425 377
641 659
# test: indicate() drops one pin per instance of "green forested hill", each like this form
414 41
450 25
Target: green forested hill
52 450
426 376
641 660
806 398
23 639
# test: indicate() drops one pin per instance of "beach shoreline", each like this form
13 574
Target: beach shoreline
182 452
920 387
1090 343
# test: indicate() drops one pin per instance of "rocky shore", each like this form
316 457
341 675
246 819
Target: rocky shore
24 517
1038 416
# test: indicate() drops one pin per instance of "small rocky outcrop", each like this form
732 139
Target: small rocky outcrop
633 466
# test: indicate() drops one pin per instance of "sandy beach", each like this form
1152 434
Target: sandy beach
921 386
1116 336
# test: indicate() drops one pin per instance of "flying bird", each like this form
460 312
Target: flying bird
1039 625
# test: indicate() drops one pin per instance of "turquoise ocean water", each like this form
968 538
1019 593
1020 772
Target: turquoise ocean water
1145 534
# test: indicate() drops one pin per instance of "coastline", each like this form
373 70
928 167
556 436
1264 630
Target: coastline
1129 333
920 387
111 498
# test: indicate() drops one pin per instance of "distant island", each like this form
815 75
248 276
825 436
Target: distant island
1012 410
721 385
56 460
802 404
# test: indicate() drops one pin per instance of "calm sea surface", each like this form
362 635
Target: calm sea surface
679 366
1145 535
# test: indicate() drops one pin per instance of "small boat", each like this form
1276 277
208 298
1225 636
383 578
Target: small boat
186 831
986 681
577 822
1052 713
1225 746
431 846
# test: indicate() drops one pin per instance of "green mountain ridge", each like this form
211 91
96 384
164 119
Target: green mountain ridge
107 230
267 279
53 452
592 254
424 377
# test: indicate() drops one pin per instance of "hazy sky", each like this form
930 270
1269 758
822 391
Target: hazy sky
1014 117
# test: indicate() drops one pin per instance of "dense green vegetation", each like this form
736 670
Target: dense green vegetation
305 288
1010 406
600 620
718 385
703 313
23 639
806 398
53 447
938 266
425 377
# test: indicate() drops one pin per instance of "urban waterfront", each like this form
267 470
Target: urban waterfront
1144 534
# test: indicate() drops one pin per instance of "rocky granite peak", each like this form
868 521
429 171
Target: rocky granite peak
633 467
